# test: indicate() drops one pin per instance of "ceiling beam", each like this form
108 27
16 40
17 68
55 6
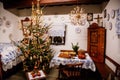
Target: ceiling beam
8 4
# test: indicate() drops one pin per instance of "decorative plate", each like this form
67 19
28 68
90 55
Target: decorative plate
110 25
118 27
118 11
4 30
108 17
118 17
1 21
8 24
112 14
77 30
118 14
105 13
4 18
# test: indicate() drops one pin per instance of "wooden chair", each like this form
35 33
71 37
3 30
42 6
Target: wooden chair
70 71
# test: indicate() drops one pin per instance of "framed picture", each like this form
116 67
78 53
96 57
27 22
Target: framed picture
90 16
26 25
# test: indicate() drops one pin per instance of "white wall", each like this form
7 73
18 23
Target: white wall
71 35
11 29
112 40
59 15
56 15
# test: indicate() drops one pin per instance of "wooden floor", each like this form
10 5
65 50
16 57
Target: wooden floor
104 70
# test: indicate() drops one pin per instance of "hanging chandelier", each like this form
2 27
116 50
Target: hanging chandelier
77 16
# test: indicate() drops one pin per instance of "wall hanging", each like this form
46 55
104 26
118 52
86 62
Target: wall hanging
89 16
26 26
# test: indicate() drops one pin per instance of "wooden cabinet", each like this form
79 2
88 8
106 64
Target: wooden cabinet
96 42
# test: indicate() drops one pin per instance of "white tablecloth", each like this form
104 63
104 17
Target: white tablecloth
88 62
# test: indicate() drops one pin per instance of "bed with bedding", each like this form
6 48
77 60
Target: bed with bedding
9 59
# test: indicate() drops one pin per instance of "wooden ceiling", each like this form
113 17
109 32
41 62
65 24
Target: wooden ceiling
9 4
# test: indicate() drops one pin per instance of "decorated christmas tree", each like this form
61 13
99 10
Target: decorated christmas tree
36 46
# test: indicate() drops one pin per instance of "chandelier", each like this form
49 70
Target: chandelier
77 16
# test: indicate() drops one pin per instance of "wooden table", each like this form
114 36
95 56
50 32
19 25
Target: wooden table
41 77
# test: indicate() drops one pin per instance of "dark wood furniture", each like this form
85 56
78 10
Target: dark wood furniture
70 71
96 42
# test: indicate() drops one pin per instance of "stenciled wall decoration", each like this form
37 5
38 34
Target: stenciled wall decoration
8 24
4 23
1 21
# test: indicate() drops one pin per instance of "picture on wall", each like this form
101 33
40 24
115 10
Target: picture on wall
90 16
26 24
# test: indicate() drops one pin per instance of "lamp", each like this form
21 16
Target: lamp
77 16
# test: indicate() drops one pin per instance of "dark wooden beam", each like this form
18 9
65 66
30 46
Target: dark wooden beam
8 4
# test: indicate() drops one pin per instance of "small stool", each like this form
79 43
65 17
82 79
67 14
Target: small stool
41 77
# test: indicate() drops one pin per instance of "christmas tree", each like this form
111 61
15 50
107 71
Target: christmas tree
36 45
